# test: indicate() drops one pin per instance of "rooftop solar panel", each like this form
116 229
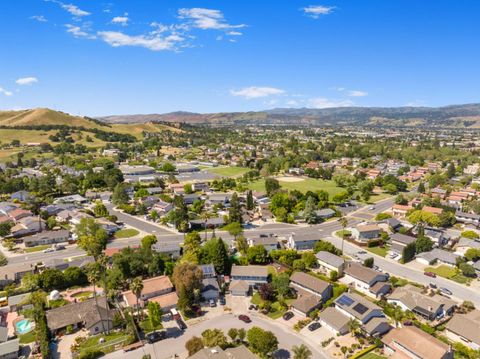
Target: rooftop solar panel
345 300
360 308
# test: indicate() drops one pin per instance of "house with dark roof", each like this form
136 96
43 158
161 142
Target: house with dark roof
399 241
210 289
10 349
366 280
208 271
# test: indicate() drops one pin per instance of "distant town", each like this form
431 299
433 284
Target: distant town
174 240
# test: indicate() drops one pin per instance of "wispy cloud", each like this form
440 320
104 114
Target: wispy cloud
22 81
322 102
357 93
5 92
206 19
256 92
39 18
315 11
79 32
151 42
74 10
121 20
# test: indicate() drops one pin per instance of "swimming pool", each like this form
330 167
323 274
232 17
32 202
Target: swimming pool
23 326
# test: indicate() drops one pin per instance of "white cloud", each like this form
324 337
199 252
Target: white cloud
78 32
292 103
39 18
206 19
315 11
256 92
151 42
121 20
357 93
26 81
322 102
5 92
74 10
234 33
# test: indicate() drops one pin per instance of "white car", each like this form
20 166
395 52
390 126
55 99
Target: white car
371 208
49 250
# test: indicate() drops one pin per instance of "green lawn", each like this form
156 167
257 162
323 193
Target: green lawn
275 311
372 356
36 249
231 171
449 273
83 295
308 184
147 326
126 233
111 340
27 338
379 250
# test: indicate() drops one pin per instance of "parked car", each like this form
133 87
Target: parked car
446 291
244 318
156 336
314 326
49 250
288 316
432 285
430 274
253 307
181 324
222 300
212 303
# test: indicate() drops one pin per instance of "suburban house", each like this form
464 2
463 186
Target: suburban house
412 342
325 213
27 226
399 242
170 249
253 275
400 210
240 352
334 320
328 262
210 289
157 289
10 349
468 218
16 302
73 199
366 280
367 313
269 243
437 256
47 237
162 208
311 292
208 271
239 288
429 307
303 241
465 328
210 223
96 319
464 244
366 232
14 273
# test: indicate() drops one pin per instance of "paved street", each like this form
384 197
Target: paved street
176 343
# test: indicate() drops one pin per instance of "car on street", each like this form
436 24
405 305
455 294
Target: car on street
244 318
222 301
288 316
154 337
49 250
181 324
371 208
314 326
446 291
432 285
212 303
430 274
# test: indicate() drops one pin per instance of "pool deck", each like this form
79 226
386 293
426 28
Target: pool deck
11 318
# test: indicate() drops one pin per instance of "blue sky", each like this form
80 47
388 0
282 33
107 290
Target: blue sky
145 56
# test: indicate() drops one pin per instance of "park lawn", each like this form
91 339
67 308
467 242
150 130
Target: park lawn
308 184
126 233
27 338
36 249
379 251
231 171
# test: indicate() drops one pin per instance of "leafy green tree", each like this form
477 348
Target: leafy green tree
472 254
257 255
194 345
467 270
419 216
148 241
309 211
368 262
234 229
309 259
100 210
215 252
421 187
241 244
92 238
120 194
214 337
261 341
409 252
234 213
250 202
470 234
5 228
188 280
154 314
281 284
271 185
423 244
233 333
324 246
192 248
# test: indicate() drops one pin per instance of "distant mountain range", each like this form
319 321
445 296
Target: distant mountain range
457 116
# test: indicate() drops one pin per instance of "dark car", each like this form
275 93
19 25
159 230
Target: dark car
222 301
181 324
430 274
314 326
244 318
156 336
288 316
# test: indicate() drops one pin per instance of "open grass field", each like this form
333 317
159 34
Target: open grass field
230 171
308 184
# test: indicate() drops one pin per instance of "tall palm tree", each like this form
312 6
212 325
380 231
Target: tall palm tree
136 286
301 352
94 272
